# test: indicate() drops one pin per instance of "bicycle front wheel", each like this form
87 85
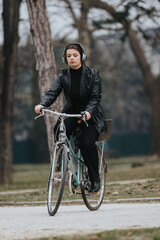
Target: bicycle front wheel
94 200
57 180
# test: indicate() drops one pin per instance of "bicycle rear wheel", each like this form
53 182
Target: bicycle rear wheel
94 200
57 180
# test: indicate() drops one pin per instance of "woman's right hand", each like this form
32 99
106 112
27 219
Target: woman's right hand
38 108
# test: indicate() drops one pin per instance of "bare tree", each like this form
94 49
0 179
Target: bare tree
10 26
81 24
150 79
44 54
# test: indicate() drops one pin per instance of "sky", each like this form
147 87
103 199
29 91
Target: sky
59 24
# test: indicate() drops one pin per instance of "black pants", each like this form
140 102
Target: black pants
87 141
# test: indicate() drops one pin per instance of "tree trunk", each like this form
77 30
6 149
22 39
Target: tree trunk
155 103
10 25
140 56
85 35
45 60
151 87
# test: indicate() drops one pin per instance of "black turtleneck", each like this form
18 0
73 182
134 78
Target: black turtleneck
75 85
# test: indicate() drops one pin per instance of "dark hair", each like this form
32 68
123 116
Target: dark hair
79 47
73 46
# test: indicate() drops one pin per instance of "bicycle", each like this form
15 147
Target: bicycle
67 153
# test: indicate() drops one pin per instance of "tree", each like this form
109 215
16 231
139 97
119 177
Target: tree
81 24
7 83
44 55
150 79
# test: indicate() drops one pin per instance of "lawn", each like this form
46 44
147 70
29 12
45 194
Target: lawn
129 234
36 177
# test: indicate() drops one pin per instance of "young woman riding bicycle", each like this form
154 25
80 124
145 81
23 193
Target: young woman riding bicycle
82 90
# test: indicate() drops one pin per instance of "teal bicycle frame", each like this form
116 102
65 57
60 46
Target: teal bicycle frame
77 158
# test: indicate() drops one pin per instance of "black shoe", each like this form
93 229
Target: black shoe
95 187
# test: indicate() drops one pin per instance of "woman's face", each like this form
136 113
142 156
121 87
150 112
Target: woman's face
73 58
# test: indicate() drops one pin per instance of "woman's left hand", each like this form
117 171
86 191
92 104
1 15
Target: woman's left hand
88 115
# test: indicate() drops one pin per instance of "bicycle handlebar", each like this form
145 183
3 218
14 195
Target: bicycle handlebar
82 115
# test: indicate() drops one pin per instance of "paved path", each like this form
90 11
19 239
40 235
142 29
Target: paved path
33 222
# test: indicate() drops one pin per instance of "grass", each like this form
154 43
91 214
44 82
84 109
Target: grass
36 177
28 176
121 169
135 190
129 234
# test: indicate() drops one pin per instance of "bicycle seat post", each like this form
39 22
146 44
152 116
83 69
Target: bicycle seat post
61 128
62 135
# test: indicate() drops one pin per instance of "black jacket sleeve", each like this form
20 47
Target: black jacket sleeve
52 94
96 94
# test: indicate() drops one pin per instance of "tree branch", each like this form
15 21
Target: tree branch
76 20
134 41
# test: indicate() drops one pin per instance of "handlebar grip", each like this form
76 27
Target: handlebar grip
49 108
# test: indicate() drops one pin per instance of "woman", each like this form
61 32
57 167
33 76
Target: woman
82 90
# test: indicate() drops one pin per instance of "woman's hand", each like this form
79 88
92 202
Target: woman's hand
88 115
38 108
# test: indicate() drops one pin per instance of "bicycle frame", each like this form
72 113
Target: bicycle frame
62 139
71 155
77 160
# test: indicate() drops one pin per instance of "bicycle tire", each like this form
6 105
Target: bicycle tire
94 201
56 181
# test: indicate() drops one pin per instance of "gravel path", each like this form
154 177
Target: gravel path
33 222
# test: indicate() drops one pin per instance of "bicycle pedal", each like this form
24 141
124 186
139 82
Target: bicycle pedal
94 193
58 173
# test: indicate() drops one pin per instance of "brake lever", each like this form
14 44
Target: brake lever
86 122
40 115
84 118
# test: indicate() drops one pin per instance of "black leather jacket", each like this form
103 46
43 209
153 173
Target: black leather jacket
90 94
